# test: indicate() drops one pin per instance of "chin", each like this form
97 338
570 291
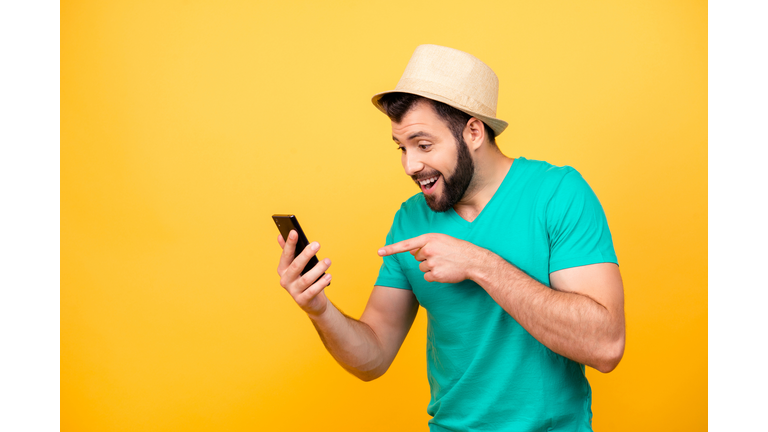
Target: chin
438 205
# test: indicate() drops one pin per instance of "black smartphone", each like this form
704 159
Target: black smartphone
287 222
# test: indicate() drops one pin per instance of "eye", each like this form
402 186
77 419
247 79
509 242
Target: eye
425 147
401 149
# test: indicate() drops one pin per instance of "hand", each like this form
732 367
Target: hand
443 258
307 293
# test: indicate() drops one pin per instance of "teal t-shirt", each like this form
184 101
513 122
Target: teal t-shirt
485 371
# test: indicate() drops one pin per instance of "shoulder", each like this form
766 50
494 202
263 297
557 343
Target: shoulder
414 207
413 218
543 169
546 178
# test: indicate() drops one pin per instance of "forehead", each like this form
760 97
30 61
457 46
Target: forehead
420 120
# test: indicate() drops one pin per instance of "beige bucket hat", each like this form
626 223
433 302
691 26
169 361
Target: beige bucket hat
454 78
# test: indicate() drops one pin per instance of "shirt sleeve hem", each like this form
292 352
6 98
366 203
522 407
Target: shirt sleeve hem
562 264
392 283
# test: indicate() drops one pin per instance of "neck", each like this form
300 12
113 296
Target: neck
491 166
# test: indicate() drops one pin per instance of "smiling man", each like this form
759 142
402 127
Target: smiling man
511 258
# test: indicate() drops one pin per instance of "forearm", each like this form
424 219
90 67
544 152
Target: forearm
570 324
351 342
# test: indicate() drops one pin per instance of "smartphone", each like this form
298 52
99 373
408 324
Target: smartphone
287 222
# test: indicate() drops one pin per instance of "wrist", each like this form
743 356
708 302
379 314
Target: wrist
483 266
322 315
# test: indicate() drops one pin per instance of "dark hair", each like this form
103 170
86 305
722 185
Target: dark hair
397 105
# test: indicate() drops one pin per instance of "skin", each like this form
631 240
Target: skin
580 317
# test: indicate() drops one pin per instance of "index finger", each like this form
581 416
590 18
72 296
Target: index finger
404 246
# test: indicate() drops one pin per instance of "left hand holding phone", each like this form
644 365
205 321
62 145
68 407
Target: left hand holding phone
306 290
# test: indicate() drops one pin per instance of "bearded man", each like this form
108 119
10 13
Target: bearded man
511 258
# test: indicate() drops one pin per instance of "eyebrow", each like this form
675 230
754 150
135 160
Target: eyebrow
418 134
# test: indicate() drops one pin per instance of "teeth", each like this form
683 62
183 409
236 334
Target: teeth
428 181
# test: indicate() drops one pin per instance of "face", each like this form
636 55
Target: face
440 166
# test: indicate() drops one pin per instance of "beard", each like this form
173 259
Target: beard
455 186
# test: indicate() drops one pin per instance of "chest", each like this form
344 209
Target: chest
515 234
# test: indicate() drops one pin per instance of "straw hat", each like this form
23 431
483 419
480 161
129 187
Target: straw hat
454 78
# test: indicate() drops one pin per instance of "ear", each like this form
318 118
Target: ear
474 133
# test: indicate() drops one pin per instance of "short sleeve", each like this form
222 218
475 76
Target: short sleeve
577 227
391 273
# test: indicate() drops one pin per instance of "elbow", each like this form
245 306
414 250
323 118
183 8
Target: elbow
367 376
611 356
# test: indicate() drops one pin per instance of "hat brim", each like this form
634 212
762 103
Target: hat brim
495 124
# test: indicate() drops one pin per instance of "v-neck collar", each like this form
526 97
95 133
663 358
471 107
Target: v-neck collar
502 187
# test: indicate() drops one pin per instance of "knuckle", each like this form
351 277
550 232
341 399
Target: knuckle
308 295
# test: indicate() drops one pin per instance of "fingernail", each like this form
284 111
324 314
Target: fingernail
327 261
328 276
292 234
315 246
382 252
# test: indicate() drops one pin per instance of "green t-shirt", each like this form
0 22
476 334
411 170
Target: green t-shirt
485 371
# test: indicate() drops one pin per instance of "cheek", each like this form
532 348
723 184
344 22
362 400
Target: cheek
447 166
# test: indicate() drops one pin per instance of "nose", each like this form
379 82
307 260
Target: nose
412 164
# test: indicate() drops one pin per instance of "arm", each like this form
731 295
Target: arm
365 347
581 317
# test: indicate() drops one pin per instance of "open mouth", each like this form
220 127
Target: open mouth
428 184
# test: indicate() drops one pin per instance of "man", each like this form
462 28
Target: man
511 258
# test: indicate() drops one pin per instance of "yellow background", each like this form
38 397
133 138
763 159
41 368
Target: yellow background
186 124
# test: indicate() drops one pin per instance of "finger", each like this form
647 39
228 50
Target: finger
420 254
425 267
280 241
313 290
288 249
311 276
297 265
404 246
